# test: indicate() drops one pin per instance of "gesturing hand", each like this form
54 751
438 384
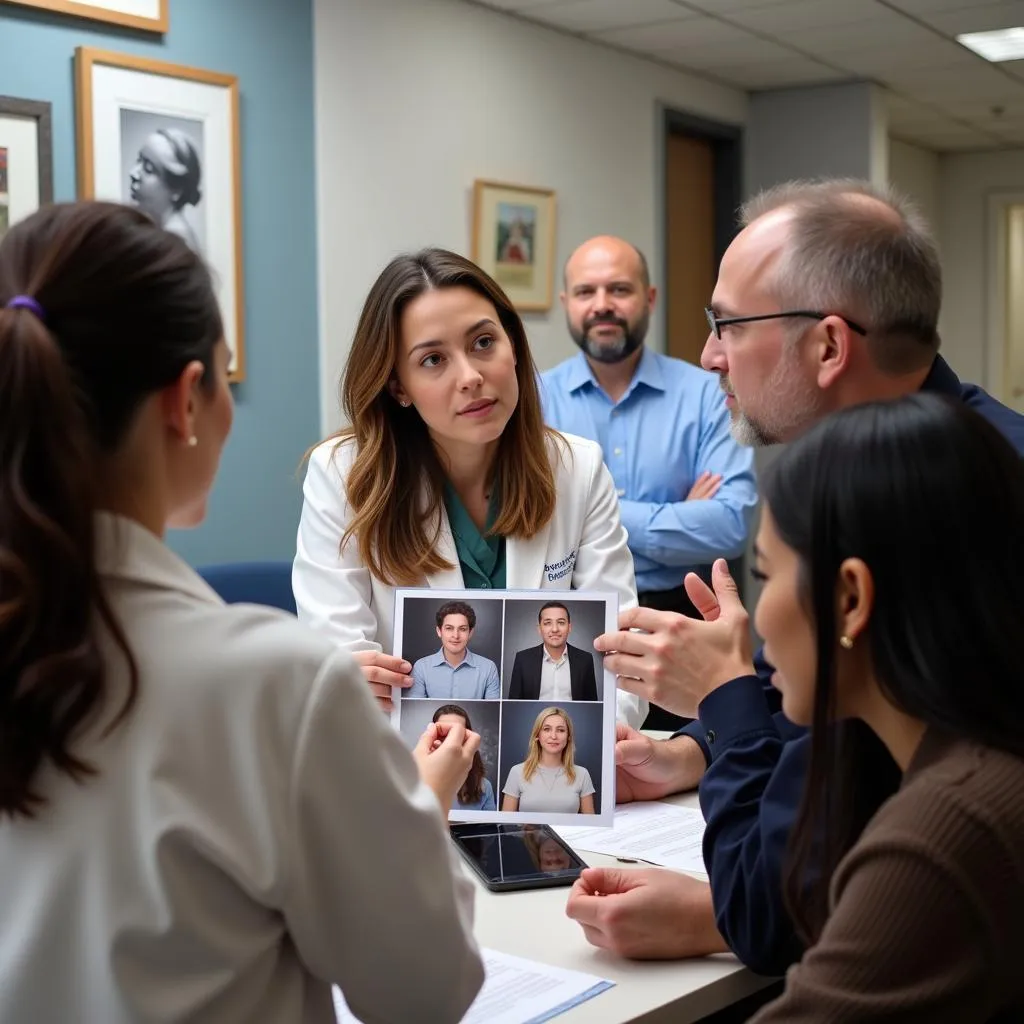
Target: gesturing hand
677 661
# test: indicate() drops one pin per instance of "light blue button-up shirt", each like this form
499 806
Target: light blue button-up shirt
670 426
474 678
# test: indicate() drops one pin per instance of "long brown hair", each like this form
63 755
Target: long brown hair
110 309
395 456
473 788
568 751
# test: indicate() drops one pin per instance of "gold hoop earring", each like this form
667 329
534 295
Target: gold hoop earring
845 642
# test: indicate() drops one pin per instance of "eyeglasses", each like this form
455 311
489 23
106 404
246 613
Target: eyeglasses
716 323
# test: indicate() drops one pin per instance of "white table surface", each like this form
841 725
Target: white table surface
533 924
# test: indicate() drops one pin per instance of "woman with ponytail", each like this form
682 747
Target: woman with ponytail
180 780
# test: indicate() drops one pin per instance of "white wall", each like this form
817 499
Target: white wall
416 98
968 181
917 172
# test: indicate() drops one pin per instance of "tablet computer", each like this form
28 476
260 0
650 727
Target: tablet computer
512 857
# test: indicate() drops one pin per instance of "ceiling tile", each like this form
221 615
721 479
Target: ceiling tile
515 5
926 8
601 15
981 109
806 14
941 85
780 74
693 31
721 59
728 7
978 18
888 32
884 62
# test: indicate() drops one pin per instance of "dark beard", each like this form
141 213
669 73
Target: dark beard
632 338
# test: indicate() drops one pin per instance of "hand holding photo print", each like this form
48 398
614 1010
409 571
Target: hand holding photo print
499 664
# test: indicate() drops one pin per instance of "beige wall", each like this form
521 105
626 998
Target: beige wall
916 172
969 183
416 98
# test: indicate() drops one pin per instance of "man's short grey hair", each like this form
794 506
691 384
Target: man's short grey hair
865 252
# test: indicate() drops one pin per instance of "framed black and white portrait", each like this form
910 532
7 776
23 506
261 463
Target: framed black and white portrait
165 138
26 159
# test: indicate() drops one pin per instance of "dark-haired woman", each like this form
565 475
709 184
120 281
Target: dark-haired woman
477 793
892 620
176 828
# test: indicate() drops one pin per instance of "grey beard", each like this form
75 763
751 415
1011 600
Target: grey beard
613 352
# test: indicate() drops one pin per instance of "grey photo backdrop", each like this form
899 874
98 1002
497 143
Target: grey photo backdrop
419 630
484 717
587 621
517 721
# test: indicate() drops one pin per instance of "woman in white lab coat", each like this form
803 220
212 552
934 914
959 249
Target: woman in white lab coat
202 815
447 476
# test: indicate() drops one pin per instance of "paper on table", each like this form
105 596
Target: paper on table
516 991
656 832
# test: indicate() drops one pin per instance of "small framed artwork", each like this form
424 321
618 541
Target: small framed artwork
165 138
26 159
148 15
514 240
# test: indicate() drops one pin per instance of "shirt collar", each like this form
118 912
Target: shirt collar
126 550
648 372
551 661
469 659
942 379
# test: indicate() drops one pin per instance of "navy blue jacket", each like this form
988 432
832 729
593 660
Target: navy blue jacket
757 762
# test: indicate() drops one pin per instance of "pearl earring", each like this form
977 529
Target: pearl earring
193 441
404 405
845 642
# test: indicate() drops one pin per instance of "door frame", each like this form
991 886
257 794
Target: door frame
727 152
996 345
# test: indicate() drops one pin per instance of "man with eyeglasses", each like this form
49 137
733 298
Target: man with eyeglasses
828 297
686 488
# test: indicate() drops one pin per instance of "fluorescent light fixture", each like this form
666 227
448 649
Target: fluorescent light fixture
1002 44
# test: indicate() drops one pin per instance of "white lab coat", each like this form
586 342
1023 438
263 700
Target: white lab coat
582 547
256 831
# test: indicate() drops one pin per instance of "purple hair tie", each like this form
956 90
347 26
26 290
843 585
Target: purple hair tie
27 302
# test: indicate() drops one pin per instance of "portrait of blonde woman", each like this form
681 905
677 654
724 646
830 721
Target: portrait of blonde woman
548 780
447 476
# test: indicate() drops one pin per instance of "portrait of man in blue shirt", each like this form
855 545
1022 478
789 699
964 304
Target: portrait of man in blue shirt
686 488
455 672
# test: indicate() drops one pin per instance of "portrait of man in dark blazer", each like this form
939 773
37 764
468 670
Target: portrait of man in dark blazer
554 669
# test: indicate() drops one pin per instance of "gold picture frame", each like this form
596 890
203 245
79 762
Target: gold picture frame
514 240
166 138
109 11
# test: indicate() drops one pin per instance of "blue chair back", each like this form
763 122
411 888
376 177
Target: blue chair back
268 583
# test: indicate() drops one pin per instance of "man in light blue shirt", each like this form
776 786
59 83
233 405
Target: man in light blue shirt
686 489
455 672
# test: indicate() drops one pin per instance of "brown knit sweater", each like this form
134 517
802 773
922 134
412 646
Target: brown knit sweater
927 918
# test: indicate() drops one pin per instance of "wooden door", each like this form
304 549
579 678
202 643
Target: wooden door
691 268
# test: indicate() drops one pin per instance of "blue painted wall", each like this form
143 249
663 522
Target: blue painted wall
268 44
